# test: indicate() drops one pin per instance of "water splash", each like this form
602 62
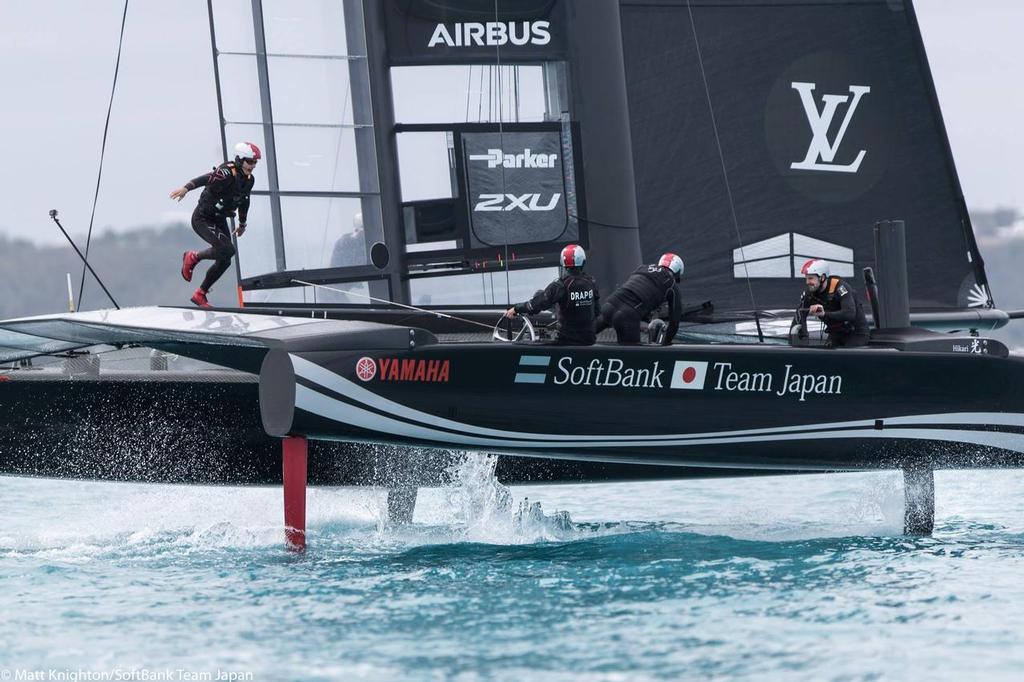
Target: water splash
475 506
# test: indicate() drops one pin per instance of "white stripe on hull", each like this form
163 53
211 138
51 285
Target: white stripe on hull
334 382
331 408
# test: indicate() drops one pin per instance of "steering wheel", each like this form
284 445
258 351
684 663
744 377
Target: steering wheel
514 330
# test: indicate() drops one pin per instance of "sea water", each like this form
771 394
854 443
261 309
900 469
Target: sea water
800 577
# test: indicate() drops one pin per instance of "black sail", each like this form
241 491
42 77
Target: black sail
827 120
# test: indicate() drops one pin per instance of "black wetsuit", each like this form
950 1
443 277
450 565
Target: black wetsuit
643 293
844 318
574 298
226 189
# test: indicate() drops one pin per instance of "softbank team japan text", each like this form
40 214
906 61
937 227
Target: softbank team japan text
613 372
792 383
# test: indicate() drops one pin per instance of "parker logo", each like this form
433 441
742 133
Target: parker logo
689 375
524 202
404 369
492 33
525 159
821 153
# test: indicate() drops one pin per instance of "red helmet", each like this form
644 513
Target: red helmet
673 263
247 150
815 266
573 256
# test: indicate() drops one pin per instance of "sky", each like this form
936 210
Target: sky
57 61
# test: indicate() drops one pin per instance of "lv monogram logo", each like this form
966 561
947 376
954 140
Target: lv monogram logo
821 153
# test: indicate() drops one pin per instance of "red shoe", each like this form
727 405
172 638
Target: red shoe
199 298
189 260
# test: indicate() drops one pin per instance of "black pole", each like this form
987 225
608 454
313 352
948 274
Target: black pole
871 289
757 323
598 93
53 215
891 260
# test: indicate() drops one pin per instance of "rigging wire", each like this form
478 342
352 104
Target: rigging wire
721 158
516 85
437 313
103 149
334 173
480 98
469 89
501 140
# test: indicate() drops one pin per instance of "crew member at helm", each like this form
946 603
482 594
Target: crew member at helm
574 298
835 303
226 189
640 296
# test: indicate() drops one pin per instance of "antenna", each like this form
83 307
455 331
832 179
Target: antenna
71 295
53 216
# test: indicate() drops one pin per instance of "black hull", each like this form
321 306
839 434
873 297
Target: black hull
204 428
755 407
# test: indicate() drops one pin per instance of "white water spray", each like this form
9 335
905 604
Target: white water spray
476 507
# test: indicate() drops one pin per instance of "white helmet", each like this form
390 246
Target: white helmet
673 263
573 256
816 266
247 150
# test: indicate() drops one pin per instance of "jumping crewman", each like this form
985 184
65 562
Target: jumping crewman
225 189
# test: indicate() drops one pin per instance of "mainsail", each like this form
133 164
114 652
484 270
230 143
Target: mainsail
819 117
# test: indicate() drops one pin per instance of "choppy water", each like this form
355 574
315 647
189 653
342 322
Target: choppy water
782 578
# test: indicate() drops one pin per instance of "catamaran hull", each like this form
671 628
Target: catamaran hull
703 406
204 427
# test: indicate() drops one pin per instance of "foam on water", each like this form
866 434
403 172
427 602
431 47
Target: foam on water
803 577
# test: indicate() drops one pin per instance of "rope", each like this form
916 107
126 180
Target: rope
721 155
103 150
436 313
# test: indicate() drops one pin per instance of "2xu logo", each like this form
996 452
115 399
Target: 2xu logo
524 202
821 153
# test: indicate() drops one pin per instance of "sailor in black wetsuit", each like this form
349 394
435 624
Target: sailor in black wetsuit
574 298
642 294
226 189
835 303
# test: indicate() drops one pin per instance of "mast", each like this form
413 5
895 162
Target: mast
599 93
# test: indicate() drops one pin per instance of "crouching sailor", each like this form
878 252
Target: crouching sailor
640 296
835 303
574 298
